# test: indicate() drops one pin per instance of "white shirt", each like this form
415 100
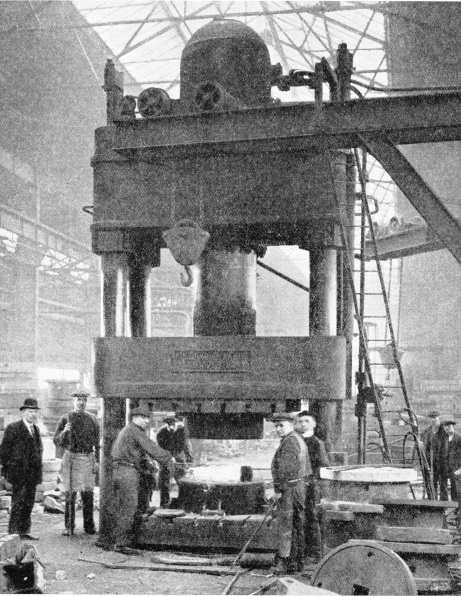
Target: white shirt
29 427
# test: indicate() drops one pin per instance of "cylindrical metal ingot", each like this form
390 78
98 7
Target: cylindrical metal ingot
234 498
226 295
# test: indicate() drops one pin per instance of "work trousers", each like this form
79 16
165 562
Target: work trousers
22 503
433 477
290 540
312 527
164 479
87 504
126 488
453 487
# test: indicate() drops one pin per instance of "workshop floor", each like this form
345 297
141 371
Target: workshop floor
66 554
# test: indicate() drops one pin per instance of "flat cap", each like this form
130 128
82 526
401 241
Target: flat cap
433 414
80 393
281 416
141 411
171 419
446 422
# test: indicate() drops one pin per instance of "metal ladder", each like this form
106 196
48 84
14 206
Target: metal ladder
367 389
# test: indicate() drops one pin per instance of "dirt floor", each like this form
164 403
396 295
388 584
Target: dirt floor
60 553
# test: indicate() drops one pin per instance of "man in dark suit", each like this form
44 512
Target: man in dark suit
21 457
450 461
305 425
432 438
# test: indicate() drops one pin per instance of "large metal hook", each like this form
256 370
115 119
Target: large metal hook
187 277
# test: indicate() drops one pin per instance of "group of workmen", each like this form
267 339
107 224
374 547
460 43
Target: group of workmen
295 470
442 457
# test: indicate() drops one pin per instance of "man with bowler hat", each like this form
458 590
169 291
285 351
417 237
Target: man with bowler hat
77 434
129 450
173 438
450 461
21 457
290 469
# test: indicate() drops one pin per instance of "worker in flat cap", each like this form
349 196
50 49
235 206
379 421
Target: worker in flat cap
450 461
77 436
129 450
432 438
21 457
173 437
290 469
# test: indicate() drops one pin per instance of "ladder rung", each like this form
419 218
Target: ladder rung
374 317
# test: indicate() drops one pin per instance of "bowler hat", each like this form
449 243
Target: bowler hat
433 414
141 411
446 422
30 404
281 416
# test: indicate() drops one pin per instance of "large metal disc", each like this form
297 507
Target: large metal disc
364 568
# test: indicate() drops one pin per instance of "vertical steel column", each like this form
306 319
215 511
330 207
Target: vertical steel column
140 309
322 291
326 315
348 301
322 321
114 324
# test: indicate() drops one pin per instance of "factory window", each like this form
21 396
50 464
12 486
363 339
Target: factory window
8 240
6 159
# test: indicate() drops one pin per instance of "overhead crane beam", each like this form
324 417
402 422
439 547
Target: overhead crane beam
422 118
425 201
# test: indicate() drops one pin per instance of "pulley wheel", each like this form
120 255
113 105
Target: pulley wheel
364 568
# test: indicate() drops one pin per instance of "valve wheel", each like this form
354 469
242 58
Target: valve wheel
207 97
153 102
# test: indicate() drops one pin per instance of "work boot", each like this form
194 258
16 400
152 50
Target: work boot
88 520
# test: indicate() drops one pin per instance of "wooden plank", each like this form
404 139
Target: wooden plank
343 516
439 550
406 534
416 503
434 585
360 507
